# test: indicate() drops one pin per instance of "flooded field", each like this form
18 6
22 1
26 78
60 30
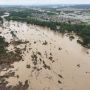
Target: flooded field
50 60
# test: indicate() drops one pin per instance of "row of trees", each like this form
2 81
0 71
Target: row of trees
81 30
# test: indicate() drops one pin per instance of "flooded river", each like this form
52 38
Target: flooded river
51 61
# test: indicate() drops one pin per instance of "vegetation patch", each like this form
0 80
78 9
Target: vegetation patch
6 56
82 29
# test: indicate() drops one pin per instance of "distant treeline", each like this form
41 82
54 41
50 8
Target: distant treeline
82 30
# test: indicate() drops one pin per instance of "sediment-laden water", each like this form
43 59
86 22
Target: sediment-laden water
51 61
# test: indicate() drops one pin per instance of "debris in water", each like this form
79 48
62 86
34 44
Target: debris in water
28 66
59 82
45 43
78 65
60 76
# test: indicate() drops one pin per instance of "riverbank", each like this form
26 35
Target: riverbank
82 30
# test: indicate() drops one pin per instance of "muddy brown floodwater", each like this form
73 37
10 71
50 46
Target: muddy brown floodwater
51 61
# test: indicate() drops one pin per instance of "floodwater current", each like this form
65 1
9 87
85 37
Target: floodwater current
51 61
